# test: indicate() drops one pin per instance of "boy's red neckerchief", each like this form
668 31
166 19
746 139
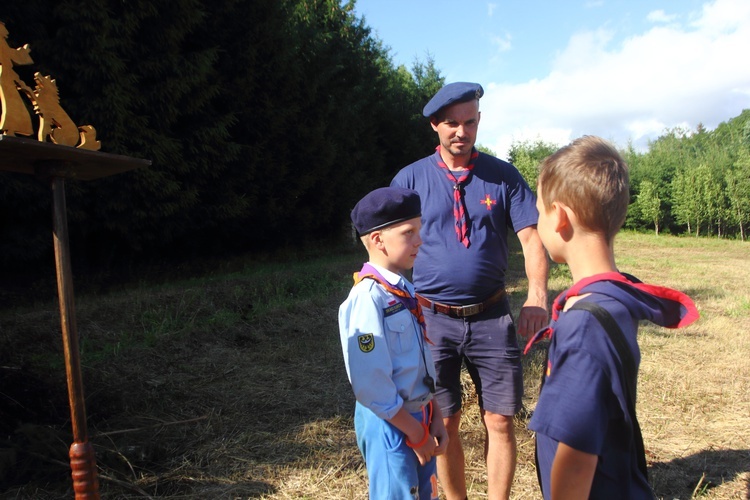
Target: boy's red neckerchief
658 291
403 296
459 205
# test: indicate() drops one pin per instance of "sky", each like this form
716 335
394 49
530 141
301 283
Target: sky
625 70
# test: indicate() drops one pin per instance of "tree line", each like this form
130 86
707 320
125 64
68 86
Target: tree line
686 182
265 121
695 181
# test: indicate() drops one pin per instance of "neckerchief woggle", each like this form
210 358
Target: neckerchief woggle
659 291
403 296
459 205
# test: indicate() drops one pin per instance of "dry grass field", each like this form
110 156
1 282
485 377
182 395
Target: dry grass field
233 386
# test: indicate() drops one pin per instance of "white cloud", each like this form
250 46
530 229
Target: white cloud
491 9
659 16
723 15
502 43
669 76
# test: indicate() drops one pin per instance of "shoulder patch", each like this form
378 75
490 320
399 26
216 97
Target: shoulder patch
366 342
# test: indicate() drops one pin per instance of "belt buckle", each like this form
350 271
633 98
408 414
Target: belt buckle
470 310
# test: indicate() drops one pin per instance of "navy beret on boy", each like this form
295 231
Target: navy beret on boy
385 206
451 94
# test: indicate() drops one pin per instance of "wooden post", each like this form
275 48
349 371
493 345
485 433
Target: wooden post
82 458
52 164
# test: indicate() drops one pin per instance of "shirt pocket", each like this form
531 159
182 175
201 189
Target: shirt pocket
400 332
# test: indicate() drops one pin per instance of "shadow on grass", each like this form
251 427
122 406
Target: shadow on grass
695 475
201 417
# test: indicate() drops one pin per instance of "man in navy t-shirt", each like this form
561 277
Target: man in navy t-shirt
470 201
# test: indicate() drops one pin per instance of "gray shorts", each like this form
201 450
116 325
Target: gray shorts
487 343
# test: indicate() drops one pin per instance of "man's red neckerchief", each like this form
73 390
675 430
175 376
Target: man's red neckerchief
459 205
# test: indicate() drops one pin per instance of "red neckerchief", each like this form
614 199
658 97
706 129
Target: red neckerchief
403 296
575 290
459 205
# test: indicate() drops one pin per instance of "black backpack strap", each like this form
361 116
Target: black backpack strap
628 363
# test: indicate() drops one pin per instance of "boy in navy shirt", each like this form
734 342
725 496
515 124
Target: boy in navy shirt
587 438
388 361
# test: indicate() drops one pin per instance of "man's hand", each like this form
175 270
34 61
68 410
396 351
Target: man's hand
438 431
531 319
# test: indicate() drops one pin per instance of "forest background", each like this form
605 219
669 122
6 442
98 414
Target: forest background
265 121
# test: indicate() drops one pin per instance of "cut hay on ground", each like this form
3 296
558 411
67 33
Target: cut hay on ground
239 396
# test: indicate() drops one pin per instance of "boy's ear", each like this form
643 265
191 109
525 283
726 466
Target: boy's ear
375 239
562 216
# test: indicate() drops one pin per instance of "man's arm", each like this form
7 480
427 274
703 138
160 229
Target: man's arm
572 473
533 315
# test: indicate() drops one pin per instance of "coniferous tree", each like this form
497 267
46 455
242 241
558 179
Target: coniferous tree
265 121
140 74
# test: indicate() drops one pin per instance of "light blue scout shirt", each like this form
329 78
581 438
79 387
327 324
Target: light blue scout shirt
383 348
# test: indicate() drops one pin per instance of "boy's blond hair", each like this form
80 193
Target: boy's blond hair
591 178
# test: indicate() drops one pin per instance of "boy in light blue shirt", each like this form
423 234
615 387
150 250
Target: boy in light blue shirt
388 361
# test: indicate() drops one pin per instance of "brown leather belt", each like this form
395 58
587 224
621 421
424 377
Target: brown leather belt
462 311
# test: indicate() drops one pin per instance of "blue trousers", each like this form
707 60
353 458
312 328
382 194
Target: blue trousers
392 467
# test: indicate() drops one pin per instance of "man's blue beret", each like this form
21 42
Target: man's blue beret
385 206
451 94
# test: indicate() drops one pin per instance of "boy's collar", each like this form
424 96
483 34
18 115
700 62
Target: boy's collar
390 276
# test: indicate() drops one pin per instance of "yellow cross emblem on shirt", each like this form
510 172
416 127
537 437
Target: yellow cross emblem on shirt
488 202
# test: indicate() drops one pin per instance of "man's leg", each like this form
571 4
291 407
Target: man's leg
500 454
447 336
493 359
451 467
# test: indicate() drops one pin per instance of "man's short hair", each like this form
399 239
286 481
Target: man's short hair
589 176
